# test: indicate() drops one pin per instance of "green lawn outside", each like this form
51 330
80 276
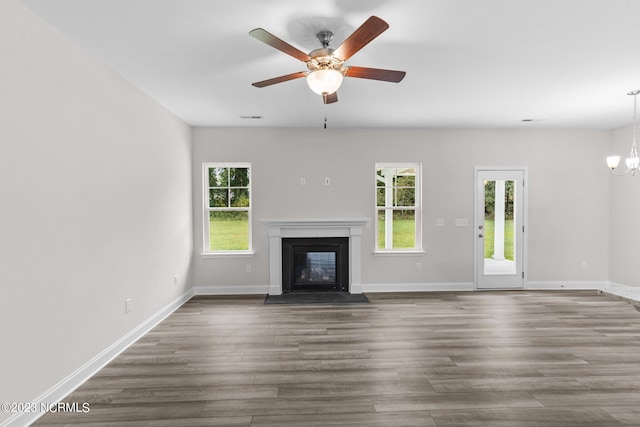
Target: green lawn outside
489 238
234 235
228 235
404 231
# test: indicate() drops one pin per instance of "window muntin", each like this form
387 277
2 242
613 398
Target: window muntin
227 225
398 209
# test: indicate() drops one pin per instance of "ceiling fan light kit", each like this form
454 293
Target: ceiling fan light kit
325 65
324 81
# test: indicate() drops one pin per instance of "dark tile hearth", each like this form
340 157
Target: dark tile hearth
310 298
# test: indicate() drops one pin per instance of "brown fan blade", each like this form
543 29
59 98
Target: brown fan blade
330 98
368 31
375 74
280 79
268 38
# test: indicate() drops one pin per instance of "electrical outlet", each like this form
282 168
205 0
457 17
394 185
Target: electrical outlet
439 222
247 268
418 266
327 181
128 305
303 181
585 264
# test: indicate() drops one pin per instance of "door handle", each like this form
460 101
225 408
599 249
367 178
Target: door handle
480 235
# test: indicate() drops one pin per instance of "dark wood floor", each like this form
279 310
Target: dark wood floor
431 359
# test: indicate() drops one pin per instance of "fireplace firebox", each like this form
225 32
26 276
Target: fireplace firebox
315 264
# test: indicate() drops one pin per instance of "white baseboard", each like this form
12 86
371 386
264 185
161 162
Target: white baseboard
564 285
61 390
417 287
247 290
355 288
232 290
621 290
626 291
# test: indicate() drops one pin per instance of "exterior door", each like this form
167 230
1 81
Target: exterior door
500 228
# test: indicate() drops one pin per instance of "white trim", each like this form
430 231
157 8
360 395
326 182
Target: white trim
311 227
622 290
232 290
314 222
627 291
418 287
206 209
417 208
563 285
619 289
79 376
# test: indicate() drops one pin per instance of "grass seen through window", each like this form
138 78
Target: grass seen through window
228 233
404 233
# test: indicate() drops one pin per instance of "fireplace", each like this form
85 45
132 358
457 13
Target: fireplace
315 264
348 228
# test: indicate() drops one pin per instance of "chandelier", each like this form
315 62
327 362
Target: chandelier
633 162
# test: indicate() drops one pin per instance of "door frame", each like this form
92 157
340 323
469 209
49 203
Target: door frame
476 224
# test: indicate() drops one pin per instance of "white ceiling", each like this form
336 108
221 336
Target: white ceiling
469 63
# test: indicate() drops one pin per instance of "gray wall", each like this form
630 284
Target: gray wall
95 191
568 212
625 213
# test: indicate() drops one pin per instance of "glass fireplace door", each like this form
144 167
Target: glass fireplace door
315 264
314 269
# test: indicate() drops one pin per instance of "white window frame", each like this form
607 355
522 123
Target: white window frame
206 251
417 249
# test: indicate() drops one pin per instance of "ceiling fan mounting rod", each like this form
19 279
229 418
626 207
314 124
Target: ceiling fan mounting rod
325 37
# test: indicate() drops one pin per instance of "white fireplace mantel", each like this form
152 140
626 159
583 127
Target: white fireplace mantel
292 228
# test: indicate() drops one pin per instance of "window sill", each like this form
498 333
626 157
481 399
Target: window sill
238 254
398 253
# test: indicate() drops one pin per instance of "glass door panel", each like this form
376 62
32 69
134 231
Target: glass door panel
499 229
499 254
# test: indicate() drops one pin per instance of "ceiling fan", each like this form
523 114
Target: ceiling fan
326 66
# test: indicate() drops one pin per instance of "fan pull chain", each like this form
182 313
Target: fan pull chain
325 121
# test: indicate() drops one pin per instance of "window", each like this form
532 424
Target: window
398 212
227 208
